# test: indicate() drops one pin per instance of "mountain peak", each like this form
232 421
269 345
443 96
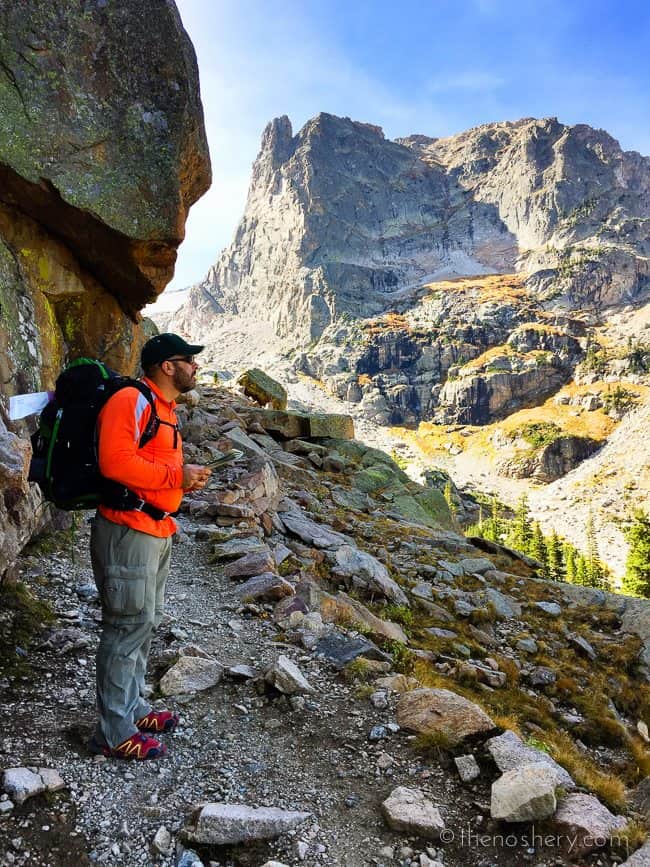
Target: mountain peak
341 220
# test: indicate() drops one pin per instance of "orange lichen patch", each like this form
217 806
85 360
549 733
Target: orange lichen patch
488 287
364 379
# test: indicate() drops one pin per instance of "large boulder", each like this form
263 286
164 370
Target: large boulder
101 157
366 571
510 753
640 858
290 425
104 149
582 819
444 713
263 389
408 810
345 610
191 674
20 514
228 824
525 794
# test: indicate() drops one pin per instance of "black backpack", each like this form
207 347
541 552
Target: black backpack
64 462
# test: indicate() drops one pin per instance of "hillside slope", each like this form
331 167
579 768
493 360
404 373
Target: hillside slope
330 641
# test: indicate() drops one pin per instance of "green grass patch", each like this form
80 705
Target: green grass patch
22 618
539 433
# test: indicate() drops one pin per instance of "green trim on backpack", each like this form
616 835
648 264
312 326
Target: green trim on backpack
50 452
83 360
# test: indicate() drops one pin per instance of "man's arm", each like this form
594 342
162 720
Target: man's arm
120 459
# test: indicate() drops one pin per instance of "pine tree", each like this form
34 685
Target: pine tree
554 563
521 532
581 576
492 525
451 502
637 567
570 563
595 573
537 548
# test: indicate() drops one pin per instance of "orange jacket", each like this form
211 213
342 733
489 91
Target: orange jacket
153 472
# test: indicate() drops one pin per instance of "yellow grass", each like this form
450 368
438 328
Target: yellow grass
585 772
390 321
486 357
489 287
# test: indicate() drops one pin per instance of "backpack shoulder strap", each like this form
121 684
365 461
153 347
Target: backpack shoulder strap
153 424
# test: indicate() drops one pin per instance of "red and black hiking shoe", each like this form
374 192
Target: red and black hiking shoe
158 721
138 747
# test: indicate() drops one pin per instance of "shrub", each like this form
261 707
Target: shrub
586 773
625 841
359 670
399 614
618 400
539 434
434 744
637 567
403 658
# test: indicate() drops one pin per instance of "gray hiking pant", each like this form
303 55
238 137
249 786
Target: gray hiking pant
130 571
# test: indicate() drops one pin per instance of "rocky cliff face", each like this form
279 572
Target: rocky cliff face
576 202
465 351
340 221
101 157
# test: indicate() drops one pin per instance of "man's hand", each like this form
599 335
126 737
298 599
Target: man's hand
195 477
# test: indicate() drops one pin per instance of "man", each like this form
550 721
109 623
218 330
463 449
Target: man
130 548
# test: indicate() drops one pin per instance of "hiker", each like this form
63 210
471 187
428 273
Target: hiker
130 547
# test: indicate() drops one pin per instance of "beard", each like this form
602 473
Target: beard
184 380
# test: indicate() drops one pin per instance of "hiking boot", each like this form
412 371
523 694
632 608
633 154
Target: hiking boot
158 721
138 747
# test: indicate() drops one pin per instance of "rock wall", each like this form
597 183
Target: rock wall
101 157
467 351
576 202
338 220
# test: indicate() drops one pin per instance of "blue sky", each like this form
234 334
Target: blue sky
435 68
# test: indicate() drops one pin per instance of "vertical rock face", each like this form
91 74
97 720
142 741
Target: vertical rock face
341 221
102 153
576 202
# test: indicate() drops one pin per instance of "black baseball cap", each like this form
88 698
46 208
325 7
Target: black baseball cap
164 346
